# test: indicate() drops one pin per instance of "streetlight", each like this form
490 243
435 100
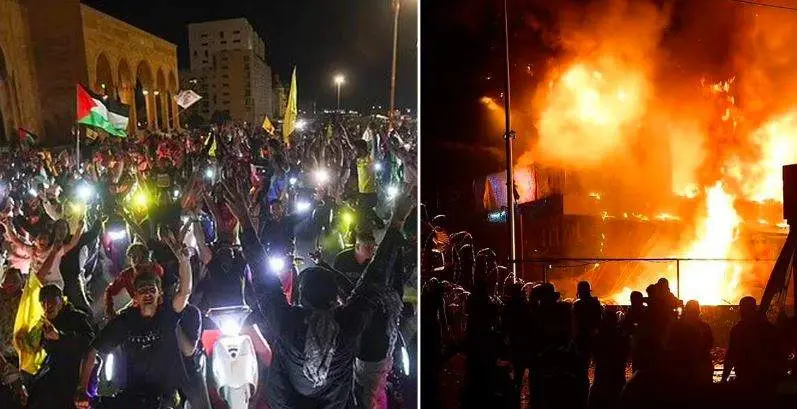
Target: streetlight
339 80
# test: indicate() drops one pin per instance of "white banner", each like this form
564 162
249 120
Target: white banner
186 98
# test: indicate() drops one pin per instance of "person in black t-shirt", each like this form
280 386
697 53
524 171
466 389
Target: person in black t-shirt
157 353
352 262
67 334
317 338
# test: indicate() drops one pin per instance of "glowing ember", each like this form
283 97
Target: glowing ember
666 217
623 296
713 282
490 103
690 191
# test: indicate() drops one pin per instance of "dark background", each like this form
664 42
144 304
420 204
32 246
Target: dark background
463 60
321 37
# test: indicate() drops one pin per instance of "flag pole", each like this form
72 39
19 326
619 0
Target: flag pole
77 145
509 135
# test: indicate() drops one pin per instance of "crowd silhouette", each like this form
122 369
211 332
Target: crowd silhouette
525 346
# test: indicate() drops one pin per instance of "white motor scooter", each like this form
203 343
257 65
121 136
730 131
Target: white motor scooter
234 360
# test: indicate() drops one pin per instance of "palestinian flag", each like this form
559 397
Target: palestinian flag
102 112
26 138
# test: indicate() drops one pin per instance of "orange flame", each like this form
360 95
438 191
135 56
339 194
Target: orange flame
713 282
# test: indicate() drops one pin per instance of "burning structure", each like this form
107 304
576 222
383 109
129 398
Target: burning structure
658 135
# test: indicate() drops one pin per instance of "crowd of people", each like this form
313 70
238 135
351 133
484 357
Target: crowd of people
111 261
525 346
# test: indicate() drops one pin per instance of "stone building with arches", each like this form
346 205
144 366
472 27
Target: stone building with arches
42 58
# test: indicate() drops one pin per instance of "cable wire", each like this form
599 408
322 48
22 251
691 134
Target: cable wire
774 6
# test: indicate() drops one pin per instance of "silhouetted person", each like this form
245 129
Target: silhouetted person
464 267
563 382
754 349
587 311
433 324
516 319
666 296
704 367
481 338
480 346
611 350
648 342
635 314
683 350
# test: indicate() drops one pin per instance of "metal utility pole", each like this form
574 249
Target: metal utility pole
509 136
396 8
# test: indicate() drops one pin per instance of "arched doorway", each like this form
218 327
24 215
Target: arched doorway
170 101
160 106
104 83
126 88
6 116
145 86
141 105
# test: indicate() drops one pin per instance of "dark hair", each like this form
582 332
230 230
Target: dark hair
365 236
145 278
50 292
440 221
137 246
318 288
360 144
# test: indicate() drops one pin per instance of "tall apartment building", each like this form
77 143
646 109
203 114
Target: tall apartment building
229 59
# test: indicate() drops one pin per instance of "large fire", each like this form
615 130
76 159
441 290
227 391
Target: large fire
608 107
713 282
593 104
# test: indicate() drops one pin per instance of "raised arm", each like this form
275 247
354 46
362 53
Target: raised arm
50 209
81 224
376 273
267 286
184 290
12 237
181 252
199 234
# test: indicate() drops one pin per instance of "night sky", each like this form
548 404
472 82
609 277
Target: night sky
321 37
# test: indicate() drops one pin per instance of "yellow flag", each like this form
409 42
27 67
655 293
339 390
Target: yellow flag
291 112
212 150
28 327
268 126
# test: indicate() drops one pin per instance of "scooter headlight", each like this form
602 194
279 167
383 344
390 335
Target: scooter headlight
303 206
85 192
392 192
321 176
109 367
230 326
116 235
405 360
277 264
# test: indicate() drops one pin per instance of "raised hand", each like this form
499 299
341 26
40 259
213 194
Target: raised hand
404 204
